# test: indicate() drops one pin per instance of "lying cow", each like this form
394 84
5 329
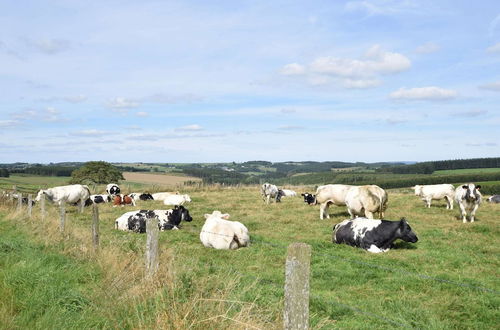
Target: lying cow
325 195
160 196
176 199
141 196
122 200
269 191
219 233
98 199
167 219
436 192
71 194
372 235
112 189
494 199
468 199
288 193
365 200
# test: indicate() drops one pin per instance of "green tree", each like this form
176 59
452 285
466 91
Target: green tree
96 172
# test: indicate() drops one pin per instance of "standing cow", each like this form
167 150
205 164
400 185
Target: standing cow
71 194
436 192
269 191
328 194
366 200
468 198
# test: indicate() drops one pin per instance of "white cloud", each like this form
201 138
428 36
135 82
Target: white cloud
142 114
471 113
89 132
49 114
193 127
9 123
380 7
122 103
361 83
494 49
75 98
290 127
293 69
427 48
50 46
494 86
431 93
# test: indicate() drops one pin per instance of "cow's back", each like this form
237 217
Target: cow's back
438 191
334 193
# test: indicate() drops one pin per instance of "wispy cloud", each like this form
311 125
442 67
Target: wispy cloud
50 46
48 114
486 144
431 93
378 7
9 123
427 48
90 133
493 86
121 103
290 127
71 99
190 128
163 98
494 49
293 69
141 114
471 113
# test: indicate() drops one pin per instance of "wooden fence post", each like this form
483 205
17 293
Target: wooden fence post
30 206
19 201
62 212
297 269
152 231
95 227
42 206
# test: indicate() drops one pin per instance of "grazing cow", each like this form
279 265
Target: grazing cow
372 235
162 195
269 191
141 196
436 192
71 194
468 199
112 189
177 200
365 200
328 194
494 199
122 200
221 234
167 219
288 193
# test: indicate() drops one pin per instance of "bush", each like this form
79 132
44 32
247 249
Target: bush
96 172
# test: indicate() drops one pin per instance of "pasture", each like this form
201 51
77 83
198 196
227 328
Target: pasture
448 280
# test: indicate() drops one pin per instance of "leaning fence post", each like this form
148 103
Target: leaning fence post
95 227
62 212
19 201
297 268
152 231
30 206
42 206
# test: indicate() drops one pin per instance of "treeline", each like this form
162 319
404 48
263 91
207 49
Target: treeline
4 173
430 167
47 170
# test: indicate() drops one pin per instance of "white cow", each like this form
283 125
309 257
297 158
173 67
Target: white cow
65 194
366 200
177 199
328 194
269 191
288 193
219 233
160 196
468 198
436 192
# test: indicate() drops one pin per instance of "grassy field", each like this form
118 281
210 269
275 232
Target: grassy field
159 179
467 171
448 280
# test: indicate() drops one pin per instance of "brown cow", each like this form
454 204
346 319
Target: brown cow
122 200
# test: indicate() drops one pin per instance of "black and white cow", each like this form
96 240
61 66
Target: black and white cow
141 196
372 235
168 219
269 191
112 189
494 199
98 199
468 199
309 198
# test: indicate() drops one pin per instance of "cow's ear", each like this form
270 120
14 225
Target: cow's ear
225 216
302 194
207 215
478 187
465 186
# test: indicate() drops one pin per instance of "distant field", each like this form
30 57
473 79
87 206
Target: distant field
31 183
157 178
467 171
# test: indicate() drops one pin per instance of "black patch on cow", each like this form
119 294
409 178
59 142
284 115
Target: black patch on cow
25 200
98 199
114 190
179 213
145 197
137 222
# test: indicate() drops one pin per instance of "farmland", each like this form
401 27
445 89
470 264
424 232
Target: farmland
449 279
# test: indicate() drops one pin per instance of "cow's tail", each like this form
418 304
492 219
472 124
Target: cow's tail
382 204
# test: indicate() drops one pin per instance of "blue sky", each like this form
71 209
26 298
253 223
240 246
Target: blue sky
210 81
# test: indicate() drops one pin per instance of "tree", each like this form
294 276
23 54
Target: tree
96 172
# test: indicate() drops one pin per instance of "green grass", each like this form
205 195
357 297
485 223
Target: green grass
32 183
467 171
350 288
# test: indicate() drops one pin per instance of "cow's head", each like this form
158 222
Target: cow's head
418 189
113 189
179 213
471 192
405 232
309 199
217 215
42 193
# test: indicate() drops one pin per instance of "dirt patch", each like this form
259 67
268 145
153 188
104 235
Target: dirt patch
157 178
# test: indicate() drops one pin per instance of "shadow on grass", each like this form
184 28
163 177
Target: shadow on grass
404 245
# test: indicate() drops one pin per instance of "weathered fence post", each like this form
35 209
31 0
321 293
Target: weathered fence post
14 191
152 231
30 206
62 212
95 227
81 205
19 202
42 206
297 268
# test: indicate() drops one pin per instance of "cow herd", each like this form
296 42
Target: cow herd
361 202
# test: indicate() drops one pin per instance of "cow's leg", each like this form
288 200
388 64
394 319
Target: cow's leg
428 202
450 200
449 204
268 199
463 212
323 211
473 212
368 214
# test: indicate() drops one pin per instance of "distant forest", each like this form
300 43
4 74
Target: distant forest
430 167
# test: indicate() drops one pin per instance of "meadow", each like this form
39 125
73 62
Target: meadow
447 280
